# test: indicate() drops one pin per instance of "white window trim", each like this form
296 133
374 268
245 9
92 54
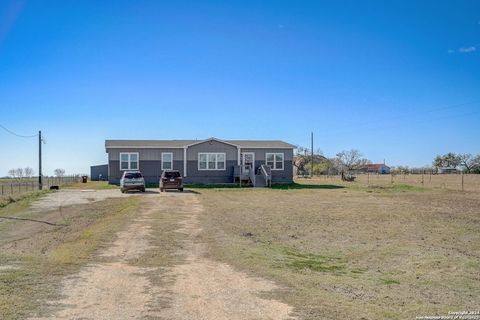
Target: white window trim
171 155
274 160
216 162
129 162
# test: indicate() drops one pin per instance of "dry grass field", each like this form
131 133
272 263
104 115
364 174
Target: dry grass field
353 251
39 248
334 250
471 182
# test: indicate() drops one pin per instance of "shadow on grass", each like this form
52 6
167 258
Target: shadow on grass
213 186
278 186
294 186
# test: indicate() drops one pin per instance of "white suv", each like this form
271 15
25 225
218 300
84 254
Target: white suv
132 180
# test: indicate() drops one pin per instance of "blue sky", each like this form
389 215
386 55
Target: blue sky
398 80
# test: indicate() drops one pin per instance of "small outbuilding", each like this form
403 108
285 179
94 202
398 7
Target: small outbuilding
380 168
99 172
447 170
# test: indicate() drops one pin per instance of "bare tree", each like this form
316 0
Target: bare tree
350 160
28 172
59 172
12 173
19 173
469 162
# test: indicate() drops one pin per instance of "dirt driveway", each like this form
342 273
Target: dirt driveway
117 288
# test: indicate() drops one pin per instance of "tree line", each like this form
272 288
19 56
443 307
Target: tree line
20 173
466 162
344 162
353 160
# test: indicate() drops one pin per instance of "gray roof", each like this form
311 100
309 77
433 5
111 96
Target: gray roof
184 143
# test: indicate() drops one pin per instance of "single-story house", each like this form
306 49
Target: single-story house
209 161
99 172
380 168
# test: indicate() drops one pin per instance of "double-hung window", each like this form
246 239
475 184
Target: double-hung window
211 161
167 160
275 160
128 160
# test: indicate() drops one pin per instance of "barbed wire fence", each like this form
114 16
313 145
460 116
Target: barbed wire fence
427 179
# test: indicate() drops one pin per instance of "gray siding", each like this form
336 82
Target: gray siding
99 172
285 175
146 153
150 163
211 176
212 146
150 169
260 153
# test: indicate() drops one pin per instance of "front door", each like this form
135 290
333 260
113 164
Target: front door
248 159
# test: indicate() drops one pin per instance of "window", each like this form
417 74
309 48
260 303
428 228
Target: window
133 175
211 161
129 161
172 174
167 161
274 160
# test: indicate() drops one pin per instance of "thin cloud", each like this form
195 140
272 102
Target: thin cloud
469 49
6 21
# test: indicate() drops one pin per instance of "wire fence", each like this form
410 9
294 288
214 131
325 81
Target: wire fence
458 182
9 187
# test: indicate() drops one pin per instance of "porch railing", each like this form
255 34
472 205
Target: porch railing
267 174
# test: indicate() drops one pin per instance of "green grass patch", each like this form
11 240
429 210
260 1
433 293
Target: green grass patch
472 264
25 198
95 185
389 188
389 281
320 263
151 185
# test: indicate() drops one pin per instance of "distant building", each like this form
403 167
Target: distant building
447 170
99 173
380 168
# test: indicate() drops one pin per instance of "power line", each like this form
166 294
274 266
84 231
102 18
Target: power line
16 134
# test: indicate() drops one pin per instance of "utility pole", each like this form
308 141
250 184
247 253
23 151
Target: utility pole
311 173
40 178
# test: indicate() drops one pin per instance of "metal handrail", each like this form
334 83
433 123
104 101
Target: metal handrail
251 174
266 175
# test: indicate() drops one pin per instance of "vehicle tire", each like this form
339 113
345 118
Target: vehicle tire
143 190
181 189
123 191
161 189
